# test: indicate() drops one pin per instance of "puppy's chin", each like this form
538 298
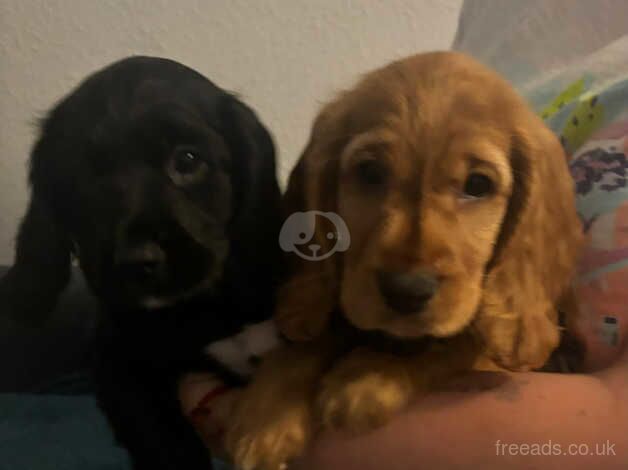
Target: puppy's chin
158 301
155 303
449 312
131 297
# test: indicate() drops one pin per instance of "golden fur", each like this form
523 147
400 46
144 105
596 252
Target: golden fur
418 128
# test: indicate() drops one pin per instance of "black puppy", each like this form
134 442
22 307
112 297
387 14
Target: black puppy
163 186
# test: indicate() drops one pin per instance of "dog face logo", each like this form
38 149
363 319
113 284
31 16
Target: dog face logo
298 230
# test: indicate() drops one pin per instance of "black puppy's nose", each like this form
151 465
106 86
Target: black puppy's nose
142 262
407 292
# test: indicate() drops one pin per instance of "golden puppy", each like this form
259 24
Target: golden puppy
463 236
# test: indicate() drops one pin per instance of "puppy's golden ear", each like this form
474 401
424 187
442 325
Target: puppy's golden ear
309 293
535 256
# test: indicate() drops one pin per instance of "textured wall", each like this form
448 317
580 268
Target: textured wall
284 57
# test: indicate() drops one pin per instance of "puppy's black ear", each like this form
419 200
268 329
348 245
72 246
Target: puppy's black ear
254 229
41 269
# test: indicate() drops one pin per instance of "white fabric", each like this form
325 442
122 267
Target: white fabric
239 353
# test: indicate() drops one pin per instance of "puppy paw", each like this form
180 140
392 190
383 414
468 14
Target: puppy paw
362 393
272 421
269 442
519 343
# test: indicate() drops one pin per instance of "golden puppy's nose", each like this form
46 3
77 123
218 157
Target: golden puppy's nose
407 292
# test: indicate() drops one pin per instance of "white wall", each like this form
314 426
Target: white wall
284 57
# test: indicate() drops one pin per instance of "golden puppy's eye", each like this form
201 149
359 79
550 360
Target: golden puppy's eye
185 166
477 186
371 172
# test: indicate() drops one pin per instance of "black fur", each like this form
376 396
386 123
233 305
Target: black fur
111 183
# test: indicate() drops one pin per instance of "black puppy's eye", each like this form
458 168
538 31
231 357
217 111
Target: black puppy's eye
478 185
186 166
186 162
371 172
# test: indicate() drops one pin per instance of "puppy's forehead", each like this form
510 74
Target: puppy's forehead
435 104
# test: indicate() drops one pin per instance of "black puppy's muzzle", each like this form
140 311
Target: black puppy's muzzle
407 292
158 258
144 264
